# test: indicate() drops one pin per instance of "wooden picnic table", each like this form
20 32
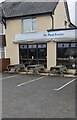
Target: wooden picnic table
58 69
15 67
35 68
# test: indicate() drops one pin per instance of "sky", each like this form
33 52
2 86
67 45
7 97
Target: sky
1 1
72 10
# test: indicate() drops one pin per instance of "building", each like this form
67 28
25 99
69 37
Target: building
38 32
2 37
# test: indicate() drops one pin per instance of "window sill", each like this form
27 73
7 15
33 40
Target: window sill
29 32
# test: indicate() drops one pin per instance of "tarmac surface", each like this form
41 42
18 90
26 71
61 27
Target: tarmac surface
38 96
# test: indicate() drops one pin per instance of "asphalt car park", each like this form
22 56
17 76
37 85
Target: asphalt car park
37 96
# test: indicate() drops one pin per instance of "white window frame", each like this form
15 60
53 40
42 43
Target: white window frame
2 52
31 23
1 29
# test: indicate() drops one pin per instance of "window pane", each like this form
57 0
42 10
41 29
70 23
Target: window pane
42 53
27 25
23 46
33 24
0 28
32 46
2 52
74 45
59 45
66 45
42 46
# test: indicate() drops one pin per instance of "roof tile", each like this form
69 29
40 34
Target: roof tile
15 9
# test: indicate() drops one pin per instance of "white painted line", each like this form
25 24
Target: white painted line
8 77
31 81
65 85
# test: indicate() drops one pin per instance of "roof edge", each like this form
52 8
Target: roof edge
62 29
55 7
39 14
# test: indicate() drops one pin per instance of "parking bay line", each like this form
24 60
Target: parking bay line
8 77
65 85
31 81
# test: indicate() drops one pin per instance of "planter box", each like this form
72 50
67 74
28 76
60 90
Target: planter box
4 62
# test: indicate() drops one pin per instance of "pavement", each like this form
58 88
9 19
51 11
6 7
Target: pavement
38 96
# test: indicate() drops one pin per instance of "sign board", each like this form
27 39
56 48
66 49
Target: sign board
46 36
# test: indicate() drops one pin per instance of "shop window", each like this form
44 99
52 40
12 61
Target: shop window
32 46
23 46
62 50
42 53
29 25
67 54
23 52
33 54
41 45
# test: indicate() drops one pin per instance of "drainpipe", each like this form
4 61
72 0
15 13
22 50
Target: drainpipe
3 18
52 21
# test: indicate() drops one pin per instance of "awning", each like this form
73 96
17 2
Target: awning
56 35
31 37
2 40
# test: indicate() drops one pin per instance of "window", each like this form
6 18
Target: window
23 46
33 54
41 45
1 30
32 46
29 25
2 52
62 49
67 54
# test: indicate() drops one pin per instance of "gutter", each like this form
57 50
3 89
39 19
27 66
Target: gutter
72 25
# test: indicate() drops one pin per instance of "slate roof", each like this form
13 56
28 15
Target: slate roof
18 9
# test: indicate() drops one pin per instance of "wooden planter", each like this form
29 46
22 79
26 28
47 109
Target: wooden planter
4 62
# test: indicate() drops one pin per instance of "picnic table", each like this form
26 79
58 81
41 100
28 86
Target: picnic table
58 69
15 67
35 68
